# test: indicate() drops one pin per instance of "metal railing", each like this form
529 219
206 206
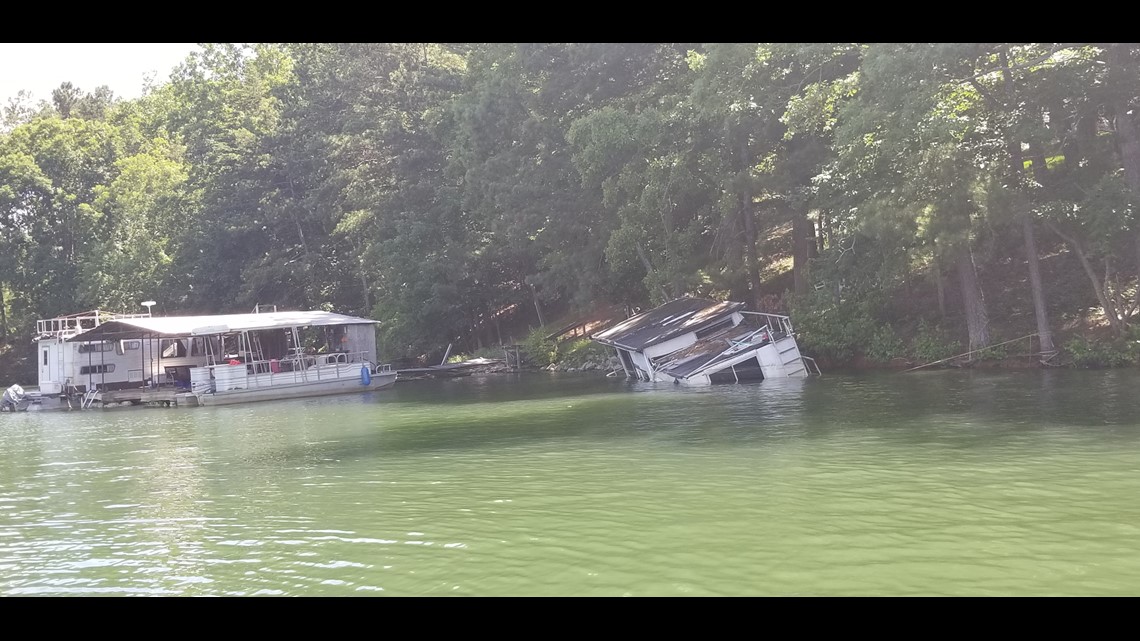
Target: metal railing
753 340
295 369
67 326
778 322
808 359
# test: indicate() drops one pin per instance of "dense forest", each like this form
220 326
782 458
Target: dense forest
899 200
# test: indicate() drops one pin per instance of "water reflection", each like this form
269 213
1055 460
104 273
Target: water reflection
925 483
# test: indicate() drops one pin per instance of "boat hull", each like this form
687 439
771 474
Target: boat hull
379 381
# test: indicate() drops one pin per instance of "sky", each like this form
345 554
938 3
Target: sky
41 67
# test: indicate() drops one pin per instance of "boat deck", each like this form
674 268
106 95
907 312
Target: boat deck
161 396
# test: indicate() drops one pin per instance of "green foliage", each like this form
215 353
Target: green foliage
445 189
884 345
577 353
537 349
996 352
540 352
932 344
1088 352
835 331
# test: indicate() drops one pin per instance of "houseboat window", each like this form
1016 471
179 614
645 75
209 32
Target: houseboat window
96 369
173 348
197 346
85 348
45 358
123 346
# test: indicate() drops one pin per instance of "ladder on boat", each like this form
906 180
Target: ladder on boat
791 361
255 347
88 398
67 390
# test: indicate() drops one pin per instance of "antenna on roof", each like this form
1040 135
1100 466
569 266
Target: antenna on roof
148 304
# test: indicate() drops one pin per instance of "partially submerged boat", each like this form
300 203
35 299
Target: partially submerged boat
206 360
695 341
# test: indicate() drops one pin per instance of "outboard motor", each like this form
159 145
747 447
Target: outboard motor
12 397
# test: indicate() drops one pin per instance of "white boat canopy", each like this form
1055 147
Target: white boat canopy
129 328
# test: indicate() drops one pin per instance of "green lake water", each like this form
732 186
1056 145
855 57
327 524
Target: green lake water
927 483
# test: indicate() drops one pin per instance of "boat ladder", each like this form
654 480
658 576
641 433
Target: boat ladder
788 349
88 398
255 347
809 363
69 390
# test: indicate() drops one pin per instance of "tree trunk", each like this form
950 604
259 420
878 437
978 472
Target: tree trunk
1136 303
1041 174
301 236
977 320
3 313
936 271
1105 303
801 251
815 233
750 257
733 235
649 271
749 219
819 240
1127 137
537 305
828 228
1044 334
1112 290
364 289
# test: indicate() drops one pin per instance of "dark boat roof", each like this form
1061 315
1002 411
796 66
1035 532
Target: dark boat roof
673 319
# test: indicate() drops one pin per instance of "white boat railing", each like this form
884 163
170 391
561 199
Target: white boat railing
778 322
293 370
68 326
753 340
809 360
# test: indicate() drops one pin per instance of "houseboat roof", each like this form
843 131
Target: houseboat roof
673 319
128 328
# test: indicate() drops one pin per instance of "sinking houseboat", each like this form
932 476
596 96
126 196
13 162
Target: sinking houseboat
695 341
207 360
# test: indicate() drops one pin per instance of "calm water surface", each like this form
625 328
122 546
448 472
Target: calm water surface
928 483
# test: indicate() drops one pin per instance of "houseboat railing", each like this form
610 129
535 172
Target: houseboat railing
757 337
808 359
67 326
297 369
777 322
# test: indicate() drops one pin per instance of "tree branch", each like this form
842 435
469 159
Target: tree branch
1028 63
985 93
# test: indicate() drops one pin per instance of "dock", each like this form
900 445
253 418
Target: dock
169 397
447 370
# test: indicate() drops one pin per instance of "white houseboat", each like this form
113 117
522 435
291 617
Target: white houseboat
694 341
207 360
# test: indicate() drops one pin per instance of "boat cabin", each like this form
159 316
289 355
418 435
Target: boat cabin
104 351
696 341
